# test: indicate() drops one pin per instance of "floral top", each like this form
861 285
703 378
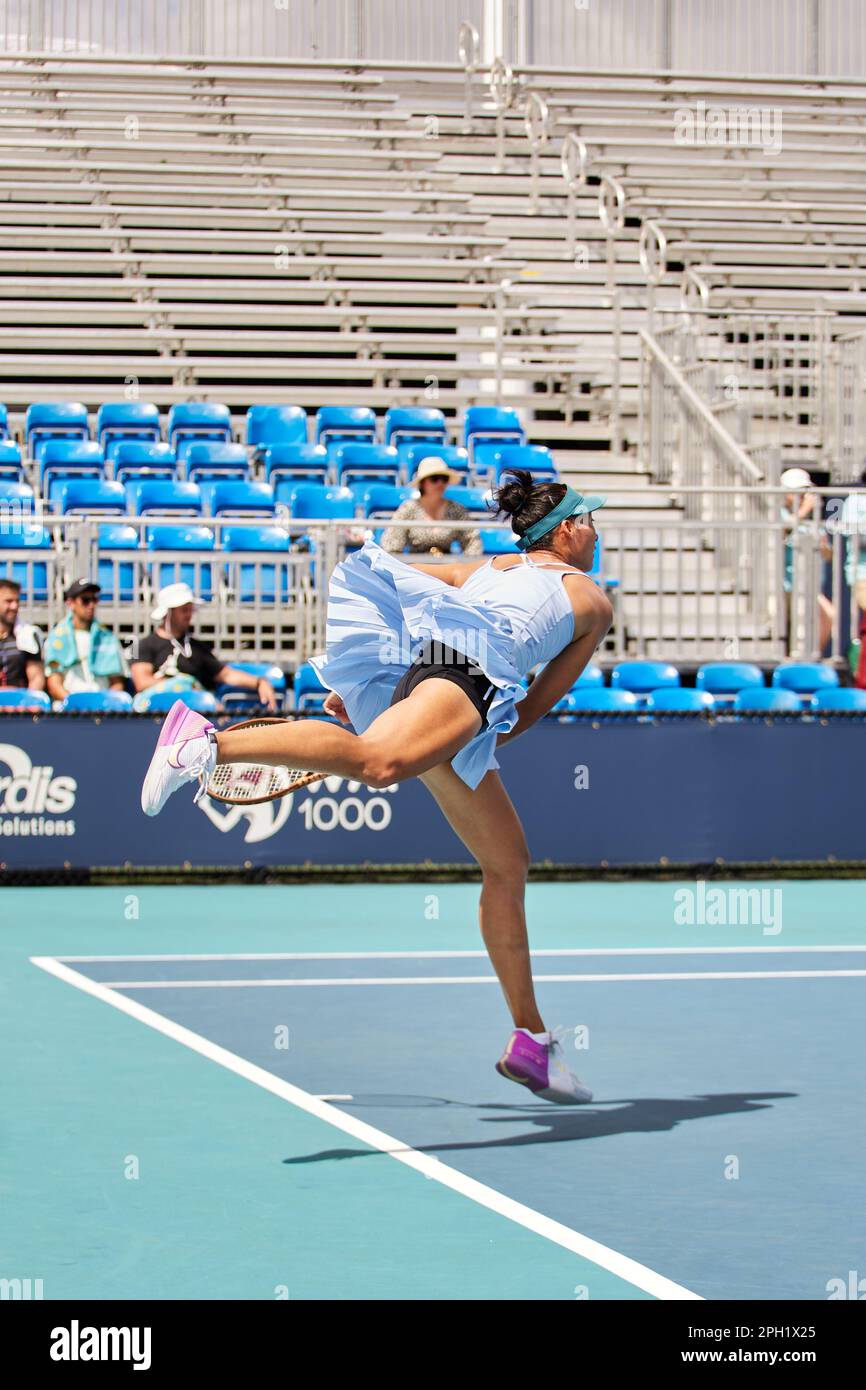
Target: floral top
399 536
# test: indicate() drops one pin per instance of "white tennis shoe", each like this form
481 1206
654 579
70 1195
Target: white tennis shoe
185 750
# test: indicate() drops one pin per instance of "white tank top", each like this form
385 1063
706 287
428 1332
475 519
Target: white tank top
529 603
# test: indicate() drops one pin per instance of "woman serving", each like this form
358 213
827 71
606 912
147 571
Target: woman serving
426 663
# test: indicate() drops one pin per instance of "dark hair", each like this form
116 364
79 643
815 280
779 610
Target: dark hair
10 584
526 502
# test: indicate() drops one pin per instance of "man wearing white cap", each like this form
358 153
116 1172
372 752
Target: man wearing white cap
170 651
798 509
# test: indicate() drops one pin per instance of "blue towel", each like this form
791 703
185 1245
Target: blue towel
106 658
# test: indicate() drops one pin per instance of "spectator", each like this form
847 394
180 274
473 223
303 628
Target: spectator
799 508
853 525
172 651
431 479
20 644
80 654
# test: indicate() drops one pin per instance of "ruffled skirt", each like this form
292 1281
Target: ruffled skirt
380 613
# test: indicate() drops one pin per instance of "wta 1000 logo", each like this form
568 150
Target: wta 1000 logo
332 804
33 801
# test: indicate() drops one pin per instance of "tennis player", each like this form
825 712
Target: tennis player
426 663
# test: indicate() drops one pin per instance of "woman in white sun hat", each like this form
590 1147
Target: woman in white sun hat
433 476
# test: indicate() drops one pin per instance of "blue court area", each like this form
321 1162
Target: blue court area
273 1092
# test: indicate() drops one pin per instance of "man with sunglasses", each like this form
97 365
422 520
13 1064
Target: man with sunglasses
80 654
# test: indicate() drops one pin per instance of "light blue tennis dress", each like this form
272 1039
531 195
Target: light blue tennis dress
381 611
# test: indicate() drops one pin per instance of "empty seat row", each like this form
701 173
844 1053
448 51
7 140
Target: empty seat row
207 461
194 421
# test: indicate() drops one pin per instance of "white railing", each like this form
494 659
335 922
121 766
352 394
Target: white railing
683 443
767 376
684 589
848 411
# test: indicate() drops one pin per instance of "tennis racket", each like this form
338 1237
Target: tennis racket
246 784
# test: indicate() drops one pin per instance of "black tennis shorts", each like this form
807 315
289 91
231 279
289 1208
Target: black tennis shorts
435 659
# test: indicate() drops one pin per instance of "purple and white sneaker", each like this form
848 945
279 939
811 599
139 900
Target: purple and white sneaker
184 750
536 1060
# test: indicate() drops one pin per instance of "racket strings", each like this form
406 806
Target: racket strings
247 783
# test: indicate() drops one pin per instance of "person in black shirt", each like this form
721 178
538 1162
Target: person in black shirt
171 651
20 645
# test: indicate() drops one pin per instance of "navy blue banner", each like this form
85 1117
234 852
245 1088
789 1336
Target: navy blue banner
617 794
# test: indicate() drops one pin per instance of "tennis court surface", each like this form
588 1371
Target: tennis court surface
266 1092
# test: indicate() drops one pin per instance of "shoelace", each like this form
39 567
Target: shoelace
557 1035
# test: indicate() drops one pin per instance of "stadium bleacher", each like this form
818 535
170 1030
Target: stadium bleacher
191 299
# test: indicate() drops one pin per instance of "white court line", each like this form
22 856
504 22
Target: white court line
471 955
640 1276
486 979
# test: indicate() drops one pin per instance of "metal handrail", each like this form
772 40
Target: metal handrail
725 441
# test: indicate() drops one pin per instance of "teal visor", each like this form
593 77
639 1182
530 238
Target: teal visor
572 504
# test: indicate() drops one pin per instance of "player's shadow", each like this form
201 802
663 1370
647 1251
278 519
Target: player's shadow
552 1125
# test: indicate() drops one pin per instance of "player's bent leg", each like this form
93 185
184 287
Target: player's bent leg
428 727
487 823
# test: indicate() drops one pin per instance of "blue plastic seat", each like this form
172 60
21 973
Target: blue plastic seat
212 460
97 702
137 461
315 501
193 421
11 467
475 500
276 424
839 700
257 580
154 495
760 698
365 461
162 700
590 678
197 571
498 542
496 424
413 423
600 698
126 420
4 422
338 424
644 677
116 576
805 678
728 677
54 420
503 458
238 499
295 461
410 455
17 496
31 574
69 458
308 689
238 697
88 495
676 698
25 701
381 499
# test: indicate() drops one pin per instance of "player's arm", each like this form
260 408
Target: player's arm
593 615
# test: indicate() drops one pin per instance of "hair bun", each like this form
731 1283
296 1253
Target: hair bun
515 494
